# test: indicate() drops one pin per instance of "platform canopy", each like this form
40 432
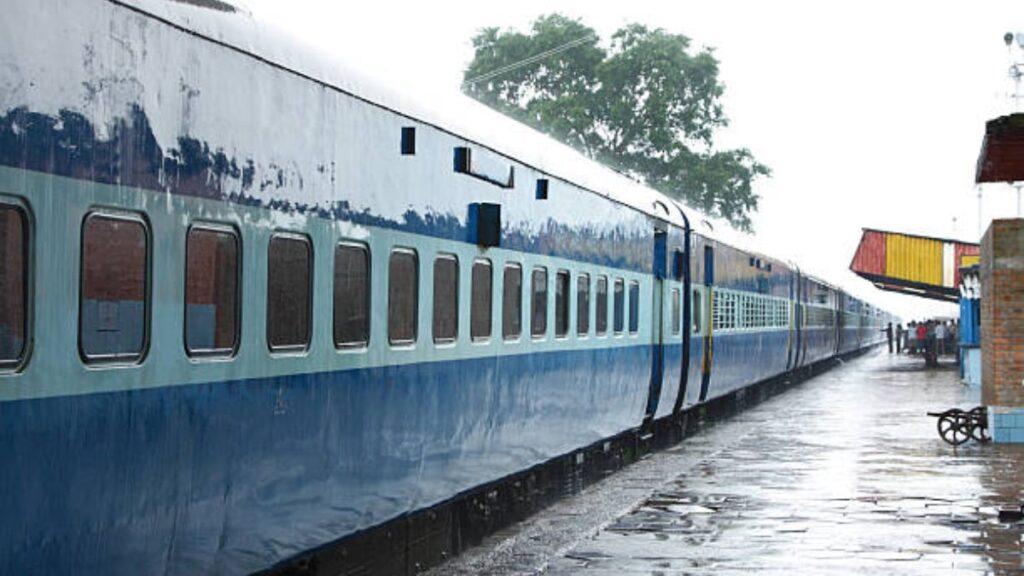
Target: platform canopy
910 264
1002 151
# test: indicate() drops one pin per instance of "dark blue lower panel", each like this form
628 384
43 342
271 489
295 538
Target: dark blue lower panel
230 477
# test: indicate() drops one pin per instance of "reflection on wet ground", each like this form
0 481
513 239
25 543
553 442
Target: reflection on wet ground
841 474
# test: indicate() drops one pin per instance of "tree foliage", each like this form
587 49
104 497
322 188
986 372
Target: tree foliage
645 103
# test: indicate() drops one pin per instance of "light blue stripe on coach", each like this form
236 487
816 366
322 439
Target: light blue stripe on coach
59 204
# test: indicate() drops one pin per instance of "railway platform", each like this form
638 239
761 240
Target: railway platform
841 474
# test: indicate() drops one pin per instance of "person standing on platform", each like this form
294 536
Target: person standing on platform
900 334
888 335
940 338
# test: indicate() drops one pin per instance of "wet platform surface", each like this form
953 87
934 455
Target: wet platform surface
841 474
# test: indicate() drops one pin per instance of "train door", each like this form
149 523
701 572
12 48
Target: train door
709 311
793 341
658 302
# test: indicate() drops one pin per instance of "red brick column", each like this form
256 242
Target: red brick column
1002 327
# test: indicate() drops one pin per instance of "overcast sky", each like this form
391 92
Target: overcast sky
870 113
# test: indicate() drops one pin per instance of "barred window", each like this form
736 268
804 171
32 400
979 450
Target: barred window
582 304
601 305
211 291
480 309
114 296
725 310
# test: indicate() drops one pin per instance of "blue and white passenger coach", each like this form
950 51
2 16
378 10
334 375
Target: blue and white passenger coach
252 303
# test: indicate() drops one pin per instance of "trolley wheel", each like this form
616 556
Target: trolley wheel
954 427
979 430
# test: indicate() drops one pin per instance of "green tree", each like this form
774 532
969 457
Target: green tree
647 105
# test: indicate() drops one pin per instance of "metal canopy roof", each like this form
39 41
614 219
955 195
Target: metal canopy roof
1002 151
911 264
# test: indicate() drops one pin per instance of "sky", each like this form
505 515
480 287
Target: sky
870 113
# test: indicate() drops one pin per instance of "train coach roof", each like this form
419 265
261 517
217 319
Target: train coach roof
232 24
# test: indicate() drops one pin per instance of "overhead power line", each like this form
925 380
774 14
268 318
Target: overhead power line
527 61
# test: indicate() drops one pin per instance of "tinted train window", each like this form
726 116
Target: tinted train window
561 303
539 302
582 304
289 292
211 291
351 295
512 302
634 307
602 306
403 298
619 306
676 316
114 290
446 298
480 307
13 285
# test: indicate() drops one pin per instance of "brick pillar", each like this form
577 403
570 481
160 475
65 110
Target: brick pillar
1002 328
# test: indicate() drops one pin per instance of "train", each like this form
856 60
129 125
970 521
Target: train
254 302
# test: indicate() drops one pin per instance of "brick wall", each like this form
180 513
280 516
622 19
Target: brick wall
1002 314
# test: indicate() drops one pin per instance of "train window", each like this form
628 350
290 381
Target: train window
446 298
601 314
676 315
512 302
698 311
539 302
634 307
619 306
114 297
351 295
14 285
211 291
289 292
480 307
582 304
561 303
403 296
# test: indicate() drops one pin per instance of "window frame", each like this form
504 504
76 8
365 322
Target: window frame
585 317
633 308
118 360
490 300
392 342
444 340
291 349
619 329
533 296
563 273
598 316
369 295
508 337
27 283
215 353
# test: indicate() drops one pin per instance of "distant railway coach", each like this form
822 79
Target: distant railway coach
251 305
